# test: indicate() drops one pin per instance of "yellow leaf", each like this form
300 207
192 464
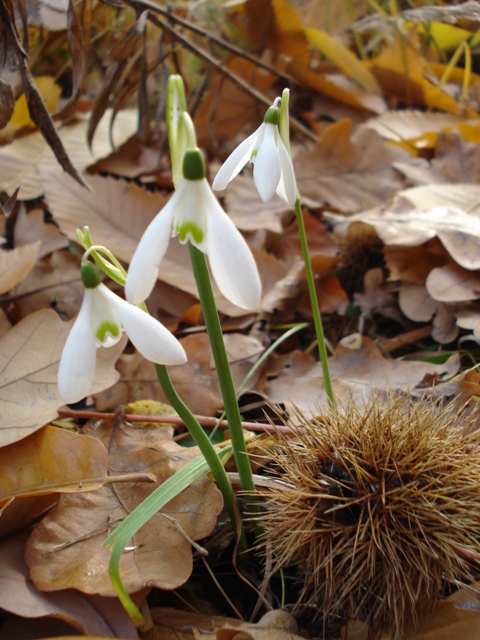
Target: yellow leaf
50 93
335 51
446 37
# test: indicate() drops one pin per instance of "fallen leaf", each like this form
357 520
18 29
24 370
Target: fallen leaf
16 264
451 283
172 624
413 264
66 548
52 460
29 358
54 282
22 159
92 615
349 171
417 127
31 227
356 374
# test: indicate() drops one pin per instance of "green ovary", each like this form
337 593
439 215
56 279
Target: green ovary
192 230
105 328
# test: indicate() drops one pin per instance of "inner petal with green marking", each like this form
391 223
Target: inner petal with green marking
190 231
107 329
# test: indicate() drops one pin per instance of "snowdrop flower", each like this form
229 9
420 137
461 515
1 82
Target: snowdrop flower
194 215
103 317
272 164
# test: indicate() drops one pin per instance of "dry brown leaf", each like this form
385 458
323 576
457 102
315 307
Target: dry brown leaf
22 159
451 283
52 460
400 70
411 125
29 358
116 212
90 614
274 625
227 108
377 298
54 282
196 381
349 171
66 548
31 226
458 616
413 264
248 213
16 264
171 624
408 224
356 374
455 162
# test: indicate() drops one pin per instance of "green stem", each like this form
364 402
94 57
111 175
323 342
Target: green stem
205 446
214 329
317 318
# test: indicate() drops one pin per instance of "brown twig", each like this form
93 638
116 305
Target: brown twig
175 420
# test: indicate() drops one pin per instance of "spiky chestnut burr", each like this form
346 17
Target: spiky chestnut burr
378 509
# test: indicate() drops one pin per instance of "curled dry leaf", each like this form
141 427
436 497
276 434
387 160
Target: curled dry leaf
66 548
29 358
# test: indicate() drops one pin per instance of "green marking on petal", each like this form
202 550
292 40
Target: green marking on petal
107 327
192 230
194 165
272 116
90 275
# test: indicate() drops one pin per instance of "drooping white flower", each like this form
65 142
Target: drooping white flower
272 165
102 318
195 215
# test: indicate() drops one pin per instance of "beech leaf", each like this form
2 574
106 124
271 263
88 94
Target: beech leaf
66 548
52 459
29 358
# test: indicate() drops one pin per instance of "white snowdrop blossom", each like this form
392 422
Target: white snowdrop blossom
272 165
195 215
102 318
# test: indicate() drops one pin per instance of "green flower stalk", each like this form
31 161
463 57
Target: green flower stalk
268 148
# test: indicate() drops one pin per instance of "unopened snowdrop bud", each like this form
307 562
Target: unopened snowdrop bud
102 318
194 215
272 165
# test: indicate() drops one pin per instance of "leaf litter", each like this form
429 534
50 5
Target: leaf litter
400 300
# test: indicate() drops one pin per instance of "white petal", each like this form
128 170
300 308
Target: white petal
231 261
267 168
191 211
77 364
236 161
149 336
106 324
143 270
287 187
